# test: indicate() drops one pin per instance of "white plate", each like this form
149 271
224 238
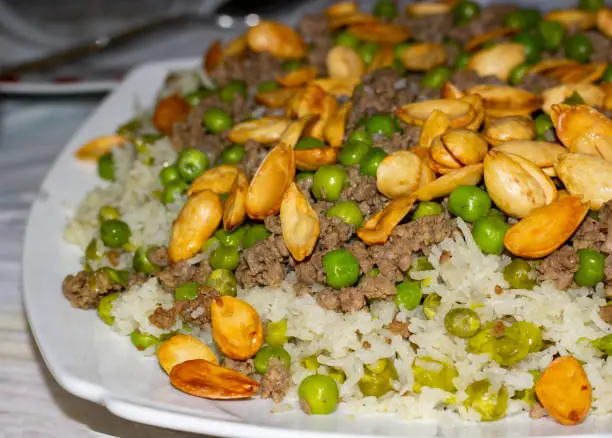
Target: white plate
92 362
57 88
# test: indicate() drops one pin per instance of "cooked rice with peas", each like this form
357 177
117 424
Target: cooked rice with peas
435 253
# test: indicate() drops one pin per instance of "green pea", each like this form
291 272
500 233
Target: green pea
465 11
519 275
517 74
92 252
381 124
431 373
173 192
337 374
224 281
408 295
462 322
318 395
515 20
346 39
348 211
191 163
398 49
268 86
469 203
462 60
187 291
360 137
421 264
552 33
590 267
328 182
276 333
508 348
195 97
216 120
228 92
301 176
543 123
169 174
530 334
309 143
291 65
489 235
254 234
494 213
341 268
436 77
491 406
233 154
225 257
578 47
607 75
115 233
142 341
352 153
377 378
574 99
116 276
370 161
141 261
532 17
143 142
231 238
385 9
591 5
106 167
130 128
268 352
374 272
431 304
603 344
210 245
483 341
427 208
367 51
105 305
528 395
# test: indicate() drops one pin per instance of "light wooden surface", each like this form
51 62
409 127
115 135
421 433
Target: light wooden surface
32 405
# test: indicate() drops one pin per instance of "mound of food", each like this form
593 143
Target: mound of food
403 211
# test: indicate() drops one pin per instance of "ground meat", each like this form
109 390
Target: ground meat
173 276
158 255
560 267
302 289
602 46
202 271
377 288
608 270
136 279
197 311
273 224
605 313
315 29
490 18
275 383
253 69
329 299
334 232
399 328
537 83
430 28
467 79
389 258
164 318
589 235
310 270
352 299
408 138
85 288
255 153
362 189
359 250
245 367
263 263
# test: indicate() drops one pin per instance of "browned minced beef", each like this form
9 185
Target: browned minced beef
253 69
362 189
417 91
197 311
490 18
263 264
608 275
255 153
158 256
273 224
173 276
537 83
602 46
377 288
589 235
164 318
334 232
315 30
85 288
245 367
431 28
605 313
352 299
408 138
310 270
275 383
399 328
560 267
361 253
467 79
329 299
136 279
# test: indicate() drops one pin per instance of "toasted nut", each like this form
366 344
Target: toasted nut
213 56
295 129
501 101
342 8
277 39
344 62
236 47
476 102
565 391
498 60
266 130
315 101
338 21
581 74
436 124
299 222
606 87
423 56
401 173
510 128
573 18
383 58
205 379
443 186
312 159
180 348
337 86
550 171
380 32
604 22
516 185
450 91
587 176
592 143
545 229
218 180
548 65
379 227
336 126
573 122
458 147
591 94
97 147
236 327
541 153
459 112
195 223
276 98
269 183
169 111
234 210
298 77
425 9
480 40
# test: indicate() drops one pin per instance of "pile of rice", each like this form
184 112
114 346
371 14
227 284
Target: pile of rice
567 318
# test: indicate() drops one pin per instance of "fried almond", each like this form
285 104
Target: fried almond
591 94
234 209
573 122
170 110
218 180
344 62
379 227
236 327
94 149
276 98
479 40
444 185
573 18
180 348
423 56
312 159
266 130
299 223
435 125
378 32
336 126
604 21
277 39
498 60
541 153
502 101
460 113
401 173
298 77
510 128
342 8
587 176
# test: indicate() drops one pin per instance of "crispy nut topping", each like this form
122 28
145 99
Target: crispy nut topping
295 129
574 122
423 56
169 111
378 228
443 186
337 86
550 65
276 98
336 126
266 130
480 40
580 74
312 159
450 91
94 149
541 153
510 128
357 18
587 176
298 77
458 147
425 9
383 58
342 8
604 21
573 18
234 210
501 101
436 124
218 180
213 56
459 112
236 327
300 223
401 173
344 62
498 60
591 94
277 39
180 348
380 32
